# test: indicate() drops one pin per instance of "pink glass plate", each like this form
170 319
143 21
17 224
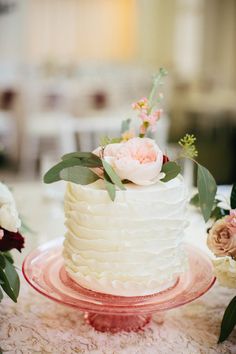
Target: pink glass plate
44 270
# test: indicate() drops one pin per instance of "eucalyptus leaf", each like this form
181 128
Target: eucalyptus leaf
195 200
228 321
110 187
8 255
53 174
218 213
2 261
207 190
87 159
233 197
11 281
78 174
125 125
112 174
171 170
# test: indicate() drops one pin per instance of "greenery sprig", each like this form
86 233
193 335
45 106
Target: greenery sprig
188 145
9 278
229 319
80 168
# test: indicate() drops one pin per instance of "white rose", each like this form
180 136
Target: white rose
9 218
225 271
138 160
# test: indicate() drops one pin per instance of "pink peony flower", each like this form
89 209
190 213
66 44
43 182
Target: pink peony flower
222 238
138 160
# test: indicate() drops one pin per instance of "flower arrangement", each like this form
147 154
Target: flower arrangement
10 238
135 158
221 240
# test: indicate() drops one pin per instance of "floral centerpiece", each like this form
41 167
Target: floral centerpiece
10 238
135 157
221 240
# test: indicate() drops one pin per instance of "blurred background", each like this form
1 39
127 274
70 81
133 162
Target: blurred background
69 70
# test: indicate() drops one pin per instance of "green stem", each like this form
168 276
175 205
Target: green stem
156 82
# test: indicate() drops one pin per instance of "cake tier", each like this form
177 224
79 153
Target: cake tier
129 247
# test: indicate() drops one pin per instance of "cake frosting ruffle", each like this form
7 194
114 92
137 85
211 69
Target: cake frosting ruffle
130 247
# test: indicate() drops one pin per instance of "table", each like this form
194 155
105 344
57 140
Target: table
38 325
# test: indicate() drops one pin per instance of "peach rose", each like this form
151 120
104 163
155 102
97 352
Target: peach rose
222 239
138 160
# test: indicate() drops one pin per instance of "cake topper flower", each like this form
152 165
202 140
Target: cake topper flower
135 158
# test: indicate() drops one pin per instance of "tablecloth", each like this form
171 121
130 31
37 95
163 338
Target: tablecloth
38 325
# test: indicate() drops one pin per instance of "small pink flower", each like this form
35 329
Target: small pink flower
141 105
142 129
150 120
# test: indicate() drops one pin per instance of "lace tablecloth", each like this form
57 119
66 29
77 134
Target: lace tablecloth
38 325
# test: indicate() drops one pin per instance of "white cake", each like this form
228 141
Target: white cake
130 247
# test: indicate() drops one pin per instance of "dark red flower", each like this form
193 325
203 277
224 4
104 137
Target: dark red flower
11 240
165 159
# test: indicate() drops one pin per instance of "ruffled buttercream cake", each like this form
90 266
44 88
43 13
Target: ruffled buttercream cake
130 247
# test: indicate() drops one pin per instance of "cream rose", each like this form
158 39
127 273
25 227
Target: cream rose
222 239
225 271
138 160
9 218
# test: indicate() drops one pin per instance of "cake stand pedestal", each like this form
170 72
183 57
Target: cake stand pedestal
44 270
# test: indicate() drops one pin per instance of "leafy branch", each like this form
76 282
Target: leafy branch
9 279
205 181
157 80
76 167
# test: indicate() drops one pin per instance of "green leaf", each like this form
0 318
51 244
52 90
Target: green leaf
53 174
87 159
171 170
112 174
228 321
11 281
9 257
1 297
233 197
79 175
125 125
195 200
2 261
110 187
218 213
207 190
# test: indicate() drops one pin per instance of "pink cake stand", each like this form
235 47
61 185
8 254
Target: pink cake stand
44 271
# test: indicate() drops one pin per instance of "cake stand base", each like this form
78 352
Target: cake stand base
44 269
117 323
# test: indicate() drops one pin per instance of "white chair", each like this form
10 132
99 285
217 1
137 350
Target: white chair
51 126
